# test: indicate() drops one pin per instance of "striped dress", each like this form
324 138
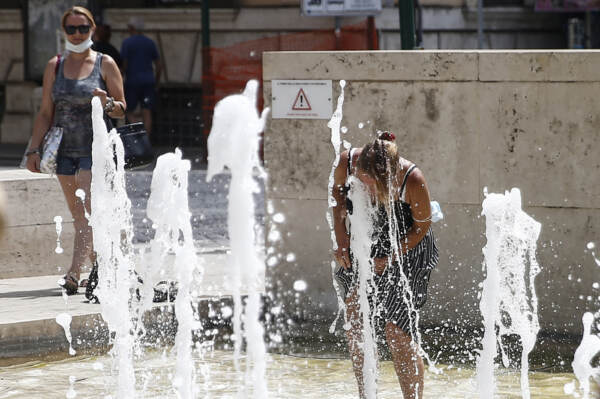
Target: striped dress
391 300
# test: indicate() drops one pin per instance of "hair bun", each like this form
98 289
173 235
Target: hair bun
387 136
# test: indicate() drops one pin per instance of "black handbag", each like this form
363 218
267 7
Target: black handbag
136 145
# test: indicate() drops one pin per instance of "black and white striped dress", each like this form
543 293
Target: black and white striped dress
391 298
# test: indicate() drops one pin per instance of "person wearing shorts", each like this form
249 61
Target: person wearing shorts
142 66
70 82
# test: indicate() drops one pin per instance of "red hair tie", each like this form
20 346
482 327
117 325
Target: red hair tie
388 136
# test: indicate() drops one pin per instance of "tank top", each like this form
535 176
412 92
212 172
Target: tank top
73 109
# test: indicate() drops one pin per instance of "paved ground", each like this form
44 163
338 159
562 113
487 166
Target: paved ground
29 306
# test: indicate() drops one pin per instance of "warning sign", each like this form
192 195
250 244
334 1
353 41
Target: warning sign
301 103
301 99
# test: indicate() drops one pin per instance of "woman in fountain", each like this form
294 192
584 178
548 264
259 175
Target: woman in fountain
401 271
69 83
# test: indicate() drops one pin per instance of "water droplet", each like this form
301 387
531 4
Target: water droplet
300 285
344 129
591 245
274 235
290 257
272 261
361 125
278 218
226 312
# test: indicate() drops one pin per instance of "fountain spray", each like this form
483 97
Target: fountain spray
508 301
233 143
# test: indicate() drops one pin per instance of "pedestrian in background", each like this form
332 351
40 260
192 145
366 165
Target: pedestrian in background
102 44
139 55
70 83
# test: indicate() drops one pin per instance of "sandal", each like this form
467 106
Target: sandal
92 282
165 291
69 284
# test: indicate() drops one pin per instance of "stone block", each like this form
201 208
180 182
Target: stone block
15 128
27 251
371 66
302 253
433 122
10 20
11 48
540 66
18 96
543 146
33 200
17 72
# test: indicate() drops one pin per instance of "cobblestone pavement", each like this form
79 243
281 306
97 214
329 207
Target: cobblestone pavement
207 202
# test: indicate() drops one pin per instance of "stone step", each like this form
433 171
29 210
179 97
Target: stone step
27 247
30 305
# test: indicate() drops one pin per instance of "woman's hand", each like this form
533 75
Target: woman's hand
342 253
33 163
102 94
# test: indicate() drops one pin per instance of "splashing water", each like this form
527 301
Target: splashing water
113 244
64 320
591 245
169 210
233 142
361 220
508 301
58 221
582 361
334 125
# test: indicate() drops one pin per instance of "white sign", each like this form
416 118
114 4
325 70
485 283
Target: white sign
301 99
340 7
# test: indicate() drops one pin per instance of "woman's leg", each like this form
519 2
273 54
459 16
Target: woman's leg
354 335
82 245
407 361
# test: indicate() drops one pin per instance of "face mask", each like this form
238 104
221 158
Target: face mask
81 47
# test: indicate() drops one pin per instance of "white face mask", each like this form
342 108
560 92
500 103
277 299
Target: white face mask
81 47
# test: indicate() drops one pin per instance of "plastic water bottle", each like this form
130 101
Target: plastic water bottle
436 212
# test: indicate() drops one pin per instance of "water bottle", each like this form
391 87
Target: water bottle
436 212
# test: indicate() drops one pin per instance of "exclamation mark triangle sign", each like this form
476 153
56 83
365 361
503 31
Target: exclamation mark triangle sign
301 102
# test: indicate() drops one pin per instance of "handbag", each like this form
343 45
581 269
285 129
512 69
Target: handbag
48 151
136 145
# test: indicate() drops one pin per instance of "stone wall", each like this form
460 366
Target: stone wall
177 32
29 240
469 120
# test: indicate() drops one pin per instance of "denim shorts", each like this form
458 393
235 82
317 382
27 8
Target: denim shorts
70 165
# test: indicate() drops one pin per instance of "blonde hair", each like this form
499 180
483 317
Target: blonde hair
379 160
78 10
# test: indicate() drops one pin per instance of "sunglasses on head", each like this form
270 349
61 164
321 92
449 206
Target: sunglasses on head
71 29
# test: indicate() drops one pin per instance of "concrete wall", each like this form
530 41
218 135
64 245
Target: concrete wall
29 240
469 120
177 31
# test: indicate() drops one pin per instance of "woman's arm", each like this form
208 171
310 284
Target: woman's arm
340 212
44 117
114 89
417 196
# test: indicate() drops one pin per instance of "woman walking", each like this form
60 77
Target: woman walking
403 253
69 84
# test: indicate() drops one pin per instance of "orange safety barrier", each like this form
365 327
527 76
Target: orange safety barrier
231 67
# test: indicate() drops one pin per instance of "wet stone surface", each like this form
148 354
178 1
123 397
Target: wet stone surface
207 203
